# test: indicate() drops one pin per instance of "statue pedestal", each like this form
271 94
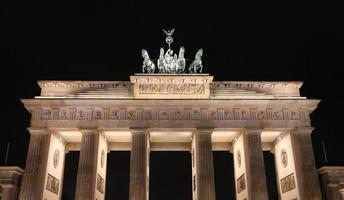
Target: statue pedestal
171 86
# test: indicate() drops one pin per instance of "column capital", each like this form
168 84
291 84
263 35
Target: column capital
89 131
253 131
302 131
42 131
204 130
138 130
246 131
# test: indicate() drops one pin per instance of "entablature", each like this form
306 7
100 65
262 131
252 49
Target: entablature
170 86
164 113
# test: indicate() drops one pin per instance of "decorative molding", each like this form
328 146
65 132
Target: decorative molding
83 84
175 83
256 84
120 84
118 113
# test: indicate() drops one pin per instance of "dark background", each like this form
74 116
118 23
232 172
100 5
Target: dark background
102 40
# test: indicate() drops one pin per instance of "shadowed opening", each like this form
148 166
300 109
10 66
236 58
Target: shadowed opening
224 175
117 175
70 175
170 176
270 171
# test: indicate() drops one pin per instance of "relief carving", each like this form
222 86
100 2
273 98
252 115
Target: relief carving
46 114
63 115
261 115
288 183
172 89
241 183
100 182
97 114
169 114
295 115
277 115
53 184
113 115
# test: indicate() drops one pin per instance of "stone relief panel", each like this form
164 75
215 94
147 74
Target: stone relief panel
239 158
100 184
56 158
288 183
284 158
241 183
171 89
53 184
170 114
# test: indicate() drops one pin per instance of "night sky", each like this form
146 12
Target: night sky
102 40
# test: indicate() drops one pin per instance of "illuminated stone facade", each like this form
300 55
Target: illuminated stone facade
186 112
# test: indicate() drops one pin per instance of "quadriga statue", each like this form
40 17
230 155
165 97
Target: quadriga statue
196 66
180 67
147 66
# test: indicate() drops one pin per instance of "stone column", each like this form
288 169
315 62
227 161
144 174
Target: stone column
331 178
296 166
43 174
32 185
139 165
249 170
203 182
91 176
341 193
9 182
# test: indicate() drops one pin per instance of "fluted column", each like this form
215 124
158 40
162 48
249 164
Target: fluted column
307 176
250 178
295 165
91 176
203 182
32 185
139 165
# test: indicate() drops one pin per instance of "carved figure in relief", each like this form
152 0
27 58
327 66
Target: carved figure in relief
148 65
196 66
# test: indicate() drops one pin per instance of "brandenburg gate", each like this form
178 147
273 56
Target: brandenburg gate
170 111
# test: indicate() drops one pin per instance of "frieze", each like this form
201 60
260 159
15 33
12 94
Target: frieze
172 89
83 84
121 84
171 86
87 114
243 84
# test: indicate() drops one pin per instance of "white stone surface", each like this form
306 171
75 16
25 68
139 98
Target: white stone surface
56 144
286 144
